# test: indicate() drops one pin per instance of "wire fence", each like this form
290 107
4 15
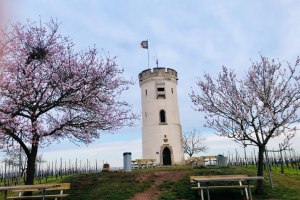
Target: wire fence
285 161
11 174
282 160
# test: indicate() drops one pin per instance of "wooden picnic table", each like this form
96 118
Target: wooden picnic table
225 178
41 187
141 163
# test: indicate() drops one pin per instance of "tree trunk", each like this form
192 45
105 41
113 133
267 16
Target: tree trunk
31 165
260 170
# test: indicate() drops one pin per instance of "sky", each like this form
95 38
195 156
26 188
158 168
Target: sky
191 37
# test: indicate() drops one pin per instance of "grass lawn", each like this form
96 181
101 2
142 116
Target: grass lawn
285 187
105 186
120 185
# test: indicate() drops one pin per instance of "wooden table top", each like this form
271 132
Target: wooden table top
38 186
227 178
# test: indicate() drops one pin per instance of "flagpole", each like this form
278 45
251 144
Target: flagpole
145 45
148 54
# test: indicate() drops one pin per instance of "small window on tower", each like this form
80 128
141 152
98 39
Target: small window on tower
146 92
160 90
162 117
172 90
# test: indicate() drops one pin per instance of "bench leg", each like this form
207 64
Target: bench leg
44 191
202 195
246 191
208 197
201 192
61 192
249 191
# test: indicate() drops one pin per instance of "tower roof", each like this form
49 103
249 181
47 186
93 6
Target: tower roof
166 73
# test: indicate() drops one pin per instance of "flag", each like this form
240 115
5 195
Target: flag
144 44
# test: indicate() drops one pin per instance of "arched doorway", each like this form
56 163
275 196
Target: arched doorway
167 156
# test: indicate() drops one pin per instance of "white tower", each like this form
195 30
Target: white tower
161 129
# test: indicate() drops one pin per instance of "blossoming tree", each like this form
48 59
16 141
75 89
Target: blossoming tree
50 92
255 109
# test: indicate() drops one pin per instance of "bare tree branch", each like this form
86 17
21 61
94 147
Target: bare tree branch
194 143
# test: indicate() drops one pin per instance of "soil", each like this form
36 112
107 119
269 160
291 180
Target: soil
158 177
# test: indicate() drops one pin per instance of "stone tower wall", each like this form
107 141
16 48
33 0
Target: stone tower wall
157 135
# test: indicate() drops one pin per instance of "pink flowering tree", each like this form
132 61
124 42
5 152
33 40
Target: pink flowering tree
253 110
50 92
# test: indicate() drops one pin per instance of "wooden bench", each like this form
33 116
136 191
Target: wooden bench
221 178
217 176
143 163
43 191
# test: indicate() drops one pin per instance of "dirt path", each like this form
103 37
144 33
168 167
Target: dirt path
158 177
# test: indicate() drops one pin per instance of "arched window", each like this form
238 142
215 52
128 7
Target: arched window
162 116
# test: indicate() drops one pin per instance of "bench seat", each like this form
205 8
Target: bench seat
47 196
216 176
222 186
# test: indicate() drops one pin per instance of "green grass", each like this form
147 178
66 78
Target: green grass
120 185
286 187
97 186
289 170
124 185
52 179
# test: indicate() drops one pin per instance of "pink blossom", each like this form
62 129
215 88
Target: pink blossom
50 92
